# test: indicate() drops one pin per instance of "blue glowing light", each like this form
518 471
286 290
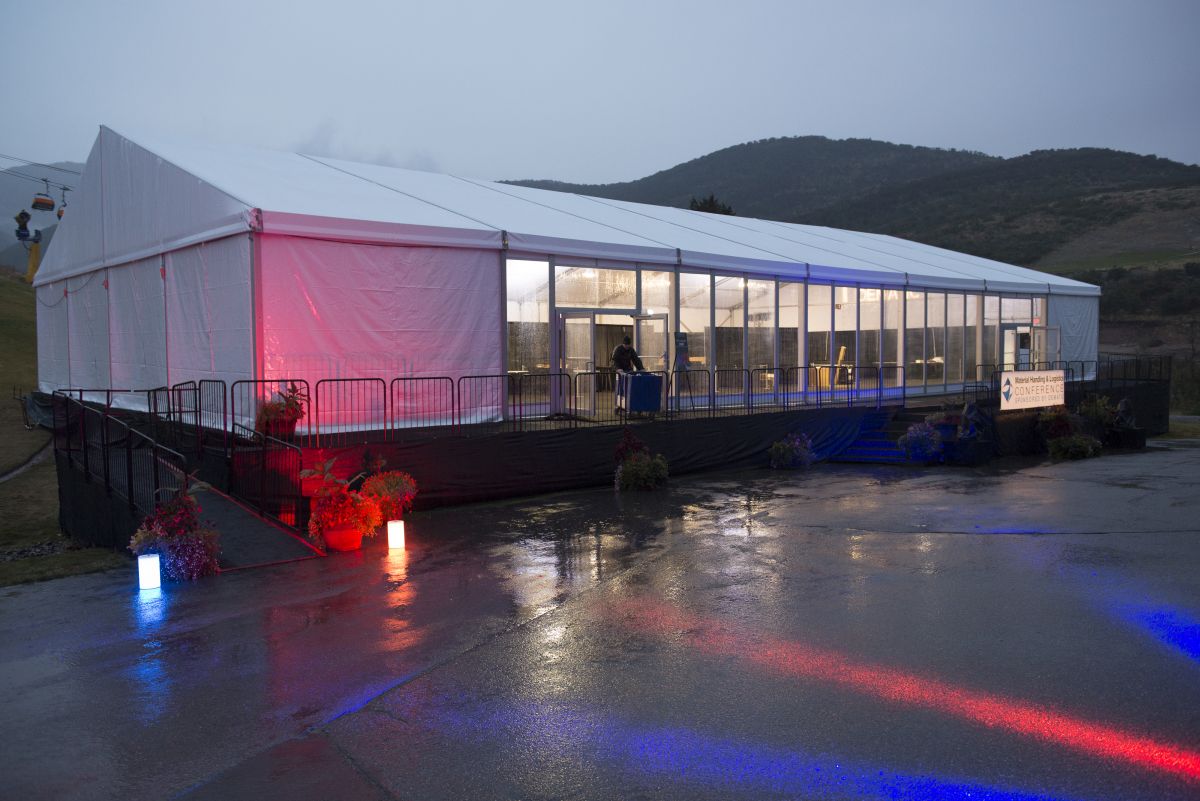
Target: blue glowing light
728 765
1170 626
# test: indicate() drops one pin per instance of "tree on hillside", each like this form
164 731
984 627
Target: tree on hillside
711 205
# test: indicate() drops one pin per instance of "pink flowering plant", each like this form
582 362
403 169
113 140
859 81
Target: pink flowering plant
337 505
188 548
393 492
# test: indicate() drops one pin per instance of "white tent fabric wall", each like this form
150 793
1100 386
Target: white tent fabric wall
137 323
133 204
1078 322
87 310
209 316
386 311
53 326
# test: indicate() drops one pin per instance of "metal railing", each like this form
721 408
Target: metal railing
126 462
350 411
265 474
342 412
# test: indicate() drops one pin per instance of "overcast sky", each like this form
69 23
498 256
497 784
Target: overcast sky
600 91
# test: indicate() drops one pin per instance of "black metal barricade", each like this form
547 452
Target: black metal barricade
350 411
421 407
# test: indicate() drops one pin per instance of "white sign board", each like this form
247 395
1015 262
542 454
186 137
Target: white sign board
1032 389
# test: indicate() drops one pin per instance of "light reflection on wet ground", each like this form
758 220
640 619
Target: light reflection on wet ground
486 660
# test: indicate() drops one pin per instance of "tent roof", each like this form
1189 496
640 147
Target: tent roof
139 198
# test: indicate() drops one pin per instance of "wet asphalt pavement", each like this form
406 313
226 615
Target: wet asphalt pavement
847 632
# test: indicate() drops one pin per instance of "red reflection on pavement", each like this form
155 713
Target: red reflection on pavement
791 658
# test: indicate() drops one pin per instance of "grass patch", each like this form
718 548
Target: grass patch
1183 429
18 368
30 503
17 444
65 563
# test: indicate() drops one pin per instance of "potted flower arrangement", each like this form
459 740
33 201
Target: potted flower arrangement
946 423
341 516
188 548
793 451
277 417
393 492
921 443
636 468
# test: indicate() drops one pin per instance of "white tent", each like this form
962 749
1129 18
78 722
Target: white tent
183 262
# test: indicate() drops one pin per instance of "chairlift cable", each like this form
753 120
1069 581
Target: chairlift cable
39 164
35 179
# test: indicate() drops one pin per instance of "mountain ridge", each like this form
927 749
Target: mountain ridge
1022 209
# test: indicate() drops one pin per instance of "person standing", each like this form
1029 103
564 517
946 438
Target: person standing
625 358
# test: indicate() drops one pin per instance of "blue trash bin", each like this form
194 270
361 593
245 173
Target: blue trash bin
639 393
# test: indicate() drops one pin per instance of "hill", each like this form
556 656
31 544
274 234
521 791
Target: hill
1024 209
784 178
1060 210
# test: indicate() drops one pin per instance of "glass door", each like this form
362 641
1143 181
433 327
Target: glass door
576 349
651 340
1045 349
1016 347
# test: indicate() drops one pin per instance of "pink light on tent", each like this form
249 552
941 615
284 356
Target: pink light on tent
798 660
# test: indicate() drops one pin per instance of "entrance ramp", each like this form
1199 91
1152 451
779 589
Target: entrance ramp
247 538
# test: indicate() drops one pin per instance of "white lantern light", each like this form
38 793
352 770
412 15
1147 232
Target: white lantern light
149 576
395 533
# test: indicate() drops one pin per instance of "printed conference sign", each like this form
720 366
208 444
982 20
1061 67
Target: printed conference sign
1032 389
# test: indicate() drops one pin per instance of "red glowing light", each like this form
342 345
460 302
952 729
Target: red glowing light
795 659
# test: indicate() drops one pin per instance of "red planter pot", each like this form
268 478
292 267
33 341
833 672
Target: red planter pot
280 428
342 538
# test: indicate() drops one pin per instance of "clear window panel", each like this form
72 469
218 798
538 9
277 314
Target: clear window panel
971 339
1039 311
991 336
731 322
527 286
1016 310
760 323
791 322
695 307
892 336
580 286
955 338
658 293
820 307
845 336
935 338
870 308
914 339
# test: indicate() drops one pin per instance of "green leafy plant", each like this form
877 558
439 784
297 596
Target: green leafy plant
921 442
793 451
281 413
636 468
1098 413
1074 446
1055 423
188 548
641 471
393 492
